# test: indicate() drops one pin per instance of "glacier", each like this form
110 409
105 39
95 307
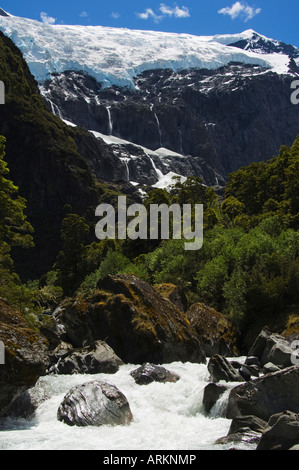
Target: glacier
114 56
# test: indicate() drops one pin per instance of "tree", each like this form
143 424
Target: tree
70 261
15 230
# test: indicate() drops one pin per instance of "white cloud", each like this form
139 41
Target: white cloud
115 15
240 10
149 13
176 12
46 18
83 14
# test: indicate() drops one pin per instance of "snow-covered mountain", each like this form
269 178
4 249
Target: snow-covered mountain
166 103
114 56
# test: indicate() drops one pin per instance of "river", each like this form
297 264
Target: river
166 416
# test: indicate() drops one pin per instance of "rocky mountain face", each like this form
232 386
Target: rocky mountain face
166 104
214 121
52 164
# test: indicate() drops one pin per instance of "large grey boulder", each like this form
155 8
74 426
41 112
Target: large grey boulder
272 348
282 432
244 429
273 393
26 403
94 359
95 403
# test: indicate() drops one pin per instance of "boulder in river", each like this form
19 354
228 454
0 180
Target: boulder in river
282 432
95 403
148 373
94 359
273 393
221 369
272 348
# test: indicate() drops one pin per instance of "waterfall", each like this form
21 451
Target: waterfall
157 171
110 126
220 407
126 160
53 107
159 129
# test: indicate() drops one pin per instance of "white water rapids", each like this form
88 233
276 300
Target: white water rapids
166 416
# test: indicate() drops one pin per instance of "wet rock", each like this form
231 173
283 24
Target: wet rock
269 368
262 397
149 373
244 429
252 361
95 403
25 405
282 432
245 435
94 359
252 422
221 369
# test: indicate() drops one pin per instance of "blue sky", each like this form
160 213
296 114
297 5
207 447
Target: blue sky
275 19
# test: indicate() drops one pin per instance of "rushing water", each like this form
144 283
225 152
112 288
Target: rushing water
166 416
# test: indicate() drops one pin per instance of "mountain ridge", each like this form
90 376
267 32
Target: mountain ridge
114 56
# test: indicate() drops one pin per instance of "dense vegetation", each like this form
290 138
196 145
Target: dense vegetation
248 267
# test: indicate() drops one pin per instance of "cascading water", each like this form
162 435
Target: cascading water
110 124
55 109
126 162
159 129
166 416
157 171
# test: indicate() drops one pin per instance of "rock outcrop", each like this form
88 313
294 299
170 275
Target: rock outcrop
94 359
272 348
223 119
216 333
26 355
134 319
95 403
270 394
221 369
281 433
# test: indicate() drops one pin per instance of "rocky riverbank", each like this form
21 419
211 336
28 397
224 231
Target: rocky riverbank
264 408
127 321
